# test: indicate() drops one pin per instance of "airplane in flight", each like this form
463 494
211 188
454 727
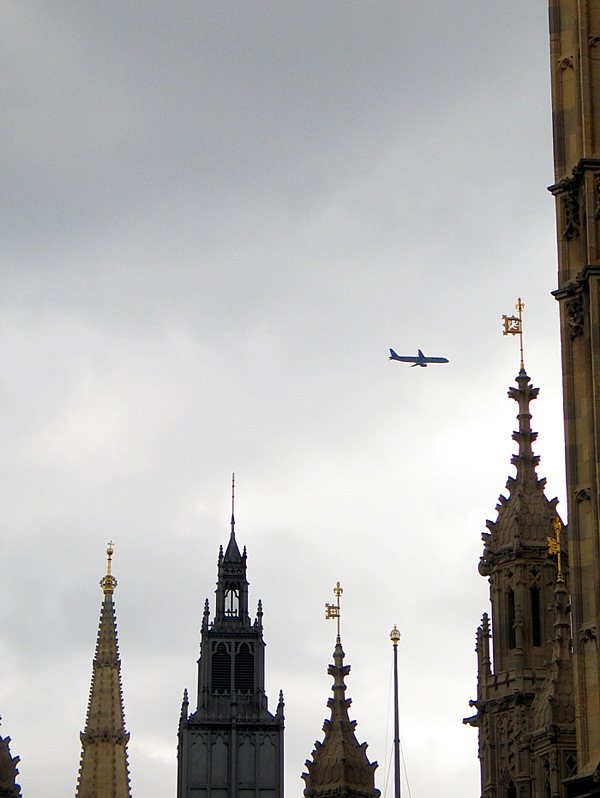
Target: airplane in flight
419 360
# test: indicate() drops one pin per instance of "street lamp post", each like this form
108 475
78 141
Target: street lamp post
395 637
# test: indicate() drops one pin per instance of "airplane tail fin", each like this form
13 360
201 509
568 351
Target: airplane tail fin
393 355
421 353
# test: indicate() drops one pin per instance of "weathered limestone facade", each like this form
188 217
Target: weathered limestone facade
104 770
525 709
575 70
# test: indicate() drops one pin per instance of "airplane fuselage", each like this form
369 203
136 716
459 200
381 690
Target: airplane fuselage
418 360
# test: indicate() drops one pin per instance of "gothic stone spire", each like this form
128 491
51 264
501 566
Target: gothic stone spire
522 575
104 770
554 705
231 744
526 516
339 765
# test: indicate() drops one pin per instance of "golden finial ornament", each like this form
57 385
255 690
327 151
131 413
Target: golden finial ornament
554 547
108 583
333 610
395 636
513 325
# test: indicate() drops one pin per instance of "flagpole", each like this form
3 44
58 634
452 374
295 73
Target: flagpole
395 637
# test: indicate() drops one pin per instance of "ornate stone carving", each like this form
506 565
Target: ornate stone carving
570 201
570 764
485 568
597 195
519 617
565 63
575 317
587 633
576 285
583 495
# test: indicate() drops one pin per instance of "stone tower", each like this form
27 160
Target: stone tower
339 765
575 71
231 746
104 771
516 687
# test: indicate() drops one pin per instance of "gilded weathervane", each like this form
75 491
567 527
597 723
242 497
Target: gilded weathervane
333 610
513 325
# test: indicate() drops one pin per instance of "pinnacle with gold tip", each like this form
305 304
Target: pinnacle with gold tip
108 583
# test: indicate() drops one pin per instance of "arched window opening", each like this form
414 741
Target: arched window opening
232 600
511 791
536 624
244 670
511 618
221 670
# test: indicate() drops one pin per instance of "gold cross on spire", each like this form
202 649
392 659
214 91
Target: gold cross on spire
333 610
108 583
513 325
554 547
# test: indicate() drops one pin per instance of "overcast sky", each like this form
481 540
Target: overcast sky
216 219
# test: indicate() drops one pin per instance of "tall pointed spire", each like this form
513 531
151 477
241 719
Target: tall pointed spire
526 516
525 461
517 686
232 552
339 765
554 704
553 718
231 745
104 770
